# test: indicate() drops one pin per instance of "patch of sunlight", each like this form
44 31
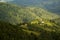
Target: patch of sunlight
24 26
34 22
36 33
47 29
29 32
49 24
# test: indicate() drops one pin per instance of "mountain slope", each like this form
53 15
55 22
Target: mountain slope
51 5
33 30
42 13
28 32
15 15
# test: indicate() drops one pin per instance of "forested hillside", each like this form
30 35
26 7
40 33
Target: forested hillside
18 14
28 23
29 31
50 5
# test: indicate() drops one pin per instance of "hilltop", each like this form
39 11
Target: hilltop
17 14
50 5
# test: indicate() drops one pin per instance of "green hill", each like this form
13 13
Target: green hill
32 23
29 32
43 13
15 15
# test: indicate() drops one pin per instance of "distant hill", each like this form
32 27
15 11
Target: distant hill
42 13
18 14
15 14
50 5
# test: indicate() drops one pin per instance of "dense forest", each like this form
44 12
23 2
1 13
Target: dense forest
27 31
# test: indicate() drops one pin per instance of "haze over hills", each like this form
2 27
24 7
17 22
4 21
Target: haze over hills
21 14
50 5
